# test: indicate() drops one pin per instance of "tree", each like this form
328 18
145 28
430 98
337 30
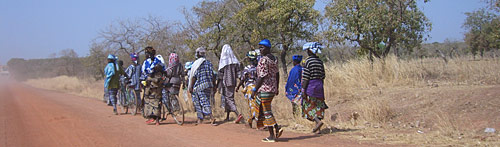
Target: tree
134 35
70 58
210 25
369 23
482 28
282 21
96 60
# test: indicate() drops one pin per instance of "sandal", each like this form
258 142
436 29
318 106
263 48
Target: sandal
213 122
238 119
268 140
150 121
279 132
198 122
318 127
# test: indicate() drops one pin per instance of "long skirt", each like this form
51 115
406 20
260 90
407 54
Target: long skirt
112 97
227 99
152 103
253 103
313 107
201 102
266 117
170 100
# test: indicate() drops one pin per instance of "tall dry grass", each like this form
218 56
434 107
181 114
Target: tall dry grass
393 72
72 85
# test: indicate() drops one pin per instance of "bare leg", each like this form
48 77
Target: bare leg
319 124
227 116
271 133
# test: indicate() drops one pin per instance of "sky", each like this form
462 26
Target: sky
35 29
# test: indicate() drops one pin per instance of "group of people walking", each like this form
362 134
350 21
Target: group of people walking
259 80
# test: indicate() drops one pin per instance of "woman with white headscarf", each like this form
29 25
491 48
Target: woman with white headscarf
229 67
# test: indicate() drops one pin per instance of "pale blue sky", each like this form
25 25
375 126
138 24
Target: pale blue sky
37 28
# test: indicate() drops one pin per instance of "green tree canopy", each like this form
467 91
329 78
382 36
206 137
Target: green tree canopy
483 28
369 23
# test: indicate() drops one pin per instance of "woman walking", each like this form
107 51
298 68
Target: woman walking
267 87
313 105
229 66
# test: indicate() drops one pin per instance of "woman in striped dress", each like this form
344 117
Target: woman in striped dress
313 75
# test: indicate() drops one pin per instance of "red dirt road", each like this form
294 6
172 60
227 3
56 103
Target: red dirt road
35 117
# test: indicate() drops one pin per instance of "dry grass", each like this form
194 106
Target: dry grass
73 85
393 72
359 86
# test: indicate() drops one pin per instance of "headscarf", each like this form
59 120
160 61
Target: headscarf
297 58
188 65
173 60
266 43
134 56
314 47
252 55
227 57
200 52
112 57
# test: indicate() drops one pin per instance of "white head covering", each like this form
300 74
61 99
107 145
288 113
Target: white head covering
315 47
200 52
227 57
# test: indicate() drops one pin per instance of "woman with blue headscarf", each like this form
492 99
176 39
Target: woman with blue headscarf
293 84
111 82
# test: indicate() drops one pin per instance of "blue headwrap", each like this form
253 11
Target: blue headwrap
188 65
297 58
314 47
266 43
113 57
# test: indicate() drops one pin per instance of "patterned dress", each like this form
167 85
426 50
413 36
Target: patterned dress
202 89
267 70
248 76
153 95
314 105
228 75
153 88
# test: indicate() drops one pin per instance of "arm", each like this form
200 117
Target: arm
214 90
278 83
192 83
241 82
216 84
109 71
305 81
257 86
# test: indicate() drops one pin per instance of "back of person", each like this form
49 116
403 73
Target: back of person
175 75
314 68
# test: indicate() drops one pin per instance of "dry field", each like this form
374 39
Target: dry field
421 102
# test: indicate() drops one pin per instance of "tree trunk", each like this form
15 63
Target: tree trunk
283 61
440 53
